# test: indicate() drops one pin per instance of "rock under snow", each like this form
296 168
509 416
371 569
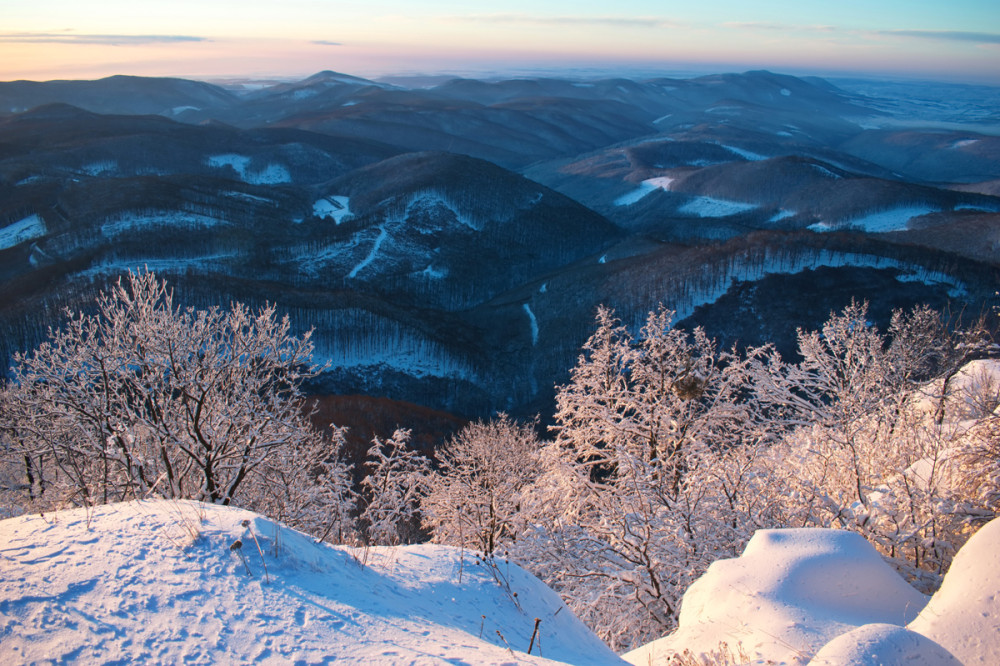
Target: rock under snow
163 582
964 614
789 594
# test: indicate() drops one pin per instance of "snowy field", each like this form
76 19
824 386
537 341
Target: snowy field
166 582
161 582
14 234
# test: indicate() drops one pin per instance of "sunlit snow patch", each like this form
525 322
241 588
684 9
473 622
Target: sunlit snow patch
964 143
336 208
646 187
791 592
782 215
895 219
29 228
712 207
162 582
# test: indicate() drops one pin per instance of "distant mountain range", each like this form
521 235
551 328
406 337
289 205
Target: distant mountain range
450 244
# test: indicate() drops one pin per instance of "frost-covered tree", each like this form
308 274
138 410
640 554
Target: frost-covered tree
651 477
866 445
144 398
477 494
396 483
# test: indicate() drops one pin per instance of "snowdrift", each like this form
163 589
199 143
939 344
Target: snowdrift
165 582
825 598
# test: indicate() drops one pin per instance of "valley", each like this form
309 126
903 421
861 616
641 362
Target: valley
450 244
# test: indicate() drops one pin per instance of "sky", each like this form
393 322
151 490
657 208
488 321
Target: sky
957 40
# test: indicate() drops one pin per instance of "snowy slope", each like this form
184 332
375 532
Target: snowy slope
790 593
160 582
964 614
825 597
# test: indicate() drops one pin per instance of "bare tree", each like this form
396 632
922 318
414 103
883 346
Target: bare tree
144 398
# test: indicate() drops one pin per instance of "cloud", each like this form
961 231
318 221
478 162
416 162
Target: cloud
108 40
780 27
324 42
941 35
946 35
605 21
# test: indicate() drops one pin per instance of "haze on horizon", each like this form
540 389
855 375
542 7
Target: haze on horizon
64 39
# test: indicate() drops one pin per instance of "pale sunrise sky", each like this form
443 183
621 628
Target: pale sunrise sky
957 40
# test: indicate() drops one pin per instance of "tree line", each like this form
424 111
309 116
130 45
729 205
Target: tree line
666 452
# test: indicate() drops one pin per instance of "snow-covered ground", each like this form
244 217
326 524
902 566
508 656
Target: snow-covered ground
826 598
161 582
712 207
710 286
894 219
14 234
167 219
336 208
169 582
646 187
270 174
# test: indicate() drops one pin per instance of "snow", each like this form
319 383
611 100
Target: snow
533 322
174 219
24 230
894 219
100 168
271 174
725 110
430 199
826 172
160 582
252 198
826 598
708 286
333 207
965 143
239 163
177 110
786 92
746 154
432 273
647 186
963 616
790 593
382 235
782 215
712 207
978 207
881 645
